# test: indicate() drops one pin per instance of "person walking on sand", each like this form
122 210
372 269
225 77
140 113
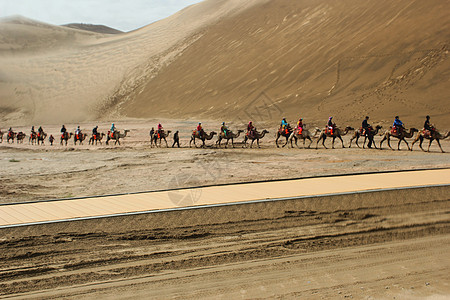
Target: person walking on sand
51 139
176 139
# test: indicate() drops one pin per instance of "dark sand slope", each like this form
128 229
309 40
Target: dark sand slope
314 58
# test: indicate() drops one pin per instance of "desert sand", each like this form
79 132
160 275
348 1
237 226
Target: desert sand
233 61
378 245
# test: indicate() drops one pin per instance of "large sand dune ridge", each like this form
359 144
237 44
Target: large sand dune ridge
217 59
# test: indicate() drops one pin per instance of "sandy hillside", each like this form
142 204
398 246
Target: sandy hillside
55 74
313 58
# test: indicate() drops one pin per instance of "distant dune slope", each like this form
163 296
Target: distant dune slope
94 28
312 58
238 60
56 74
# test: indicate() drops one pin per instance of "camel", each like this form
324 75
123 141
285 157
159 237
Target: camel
401 137
41 138
256 136
204 137
229 136
65 137
97 138
306 135
369 135
20 137
338 133
435 135
78 138
116 136
11 136
285 134
162 136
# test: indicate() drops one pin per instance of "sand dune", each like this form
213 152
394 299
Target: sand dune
75 72
313 59
237 60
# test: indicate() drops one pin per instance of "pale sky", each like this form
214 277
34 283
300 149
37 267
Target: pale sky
123 15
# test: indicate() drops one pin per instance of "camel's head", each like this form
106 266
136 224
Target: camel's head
414 129
379 127
348 128
213 133
265 131
126 130
240 131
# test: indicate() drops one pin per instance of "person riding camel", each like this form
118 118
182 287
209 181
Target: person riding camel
113 130
51 139
78 133
300 126
365 128
33 132
10 132
428 128
95 132
250 130
397 126
331 126
200 129
160 130
224 129
284 126
63 131
40 131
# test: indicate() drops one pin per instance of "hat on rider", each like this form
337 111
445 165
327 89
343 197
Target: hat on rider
396 117
223 123
428 117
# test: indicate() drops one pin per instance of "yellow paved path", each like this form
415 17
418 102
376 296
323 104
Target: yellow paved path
72 209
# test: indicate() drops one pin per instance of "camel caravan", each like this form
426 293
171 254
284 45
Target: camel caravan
290 135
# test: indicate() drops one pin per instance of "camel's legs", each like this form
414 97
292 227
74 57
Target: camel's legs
323 142
389 143
403 139
257 141
439 143
310 142
342 141
415 140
